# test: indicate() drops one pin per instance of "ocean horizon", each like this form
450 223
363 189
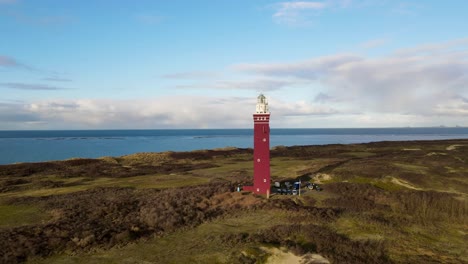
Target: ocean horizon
46 145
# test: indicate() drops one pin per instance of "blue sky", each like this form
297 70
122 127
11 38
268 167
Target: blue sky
200 64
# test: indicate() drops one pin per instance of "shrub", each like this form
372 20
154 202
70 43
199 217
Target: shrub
105 217
427 206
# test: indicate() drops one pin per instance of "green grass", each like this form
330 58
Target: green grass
290 168
444 240
281 169
357 228
145 181
358 179
411 167
406 243
387 185
17 215
383 183
358 154
225 169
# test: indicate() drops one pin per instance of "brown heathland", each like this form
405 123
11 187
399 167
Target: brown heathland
384 202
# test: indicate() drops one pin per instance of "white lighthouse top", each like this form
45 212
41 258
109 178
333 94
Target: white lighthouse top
262 105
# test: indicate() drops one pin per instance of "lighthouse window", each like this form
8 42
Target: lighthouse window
264 139
264 180
258 160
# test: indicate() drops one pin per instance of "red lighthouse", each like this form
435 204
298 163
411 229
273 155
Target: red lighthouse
261 148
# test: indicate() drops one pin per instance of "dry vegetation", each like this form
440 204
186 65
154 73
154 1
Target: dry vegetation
386 202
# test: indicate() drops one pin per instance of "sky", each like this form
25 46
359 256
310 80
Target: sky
158 64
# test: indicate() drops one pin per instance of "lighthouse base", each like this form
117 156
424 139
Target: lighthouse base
258 189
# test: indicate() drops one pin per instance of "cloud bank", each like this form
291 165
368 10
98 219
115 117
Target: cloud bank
163 112
425 85
259 85
427 80
30 86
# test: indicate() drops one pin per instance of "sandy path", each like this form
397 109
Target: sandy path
281 256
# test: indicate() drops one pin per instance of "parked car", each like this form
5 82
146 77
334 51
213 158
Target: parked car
313 186
286 191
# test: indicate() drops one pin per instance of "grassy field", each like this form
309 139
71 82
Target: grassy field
384 202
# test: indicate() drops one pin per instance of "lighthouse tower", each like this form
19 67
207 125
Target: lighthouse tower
261 117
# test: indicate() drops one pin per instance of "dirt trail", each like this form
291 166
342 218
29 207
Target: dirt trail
280 256
453 147
404 184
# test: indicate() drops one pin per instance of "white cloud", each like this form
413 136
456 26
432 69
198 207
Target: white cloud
56 79
284 109
435 48
259 85
304 13
421 81
190 75
162 112
296 12
292 6
311 69
30 86
15 113
455 106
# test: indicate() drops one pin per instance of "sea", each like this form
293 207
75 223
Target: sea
47 145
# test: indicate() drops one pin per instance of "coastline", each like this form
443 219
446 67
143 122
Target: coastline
59 145
234 150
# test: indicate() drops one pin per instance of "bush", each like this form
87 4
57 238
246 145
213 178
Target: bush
104 217
427 206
